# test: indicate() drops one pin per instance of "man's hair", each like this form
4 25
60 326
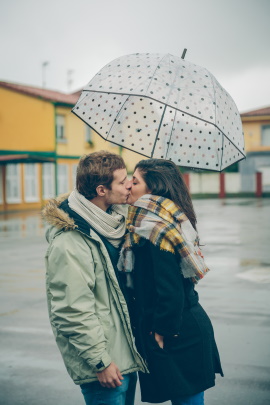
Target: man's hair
97 169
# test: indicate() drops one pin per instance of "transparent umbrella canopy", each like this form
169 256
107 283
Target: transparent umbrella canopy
163 106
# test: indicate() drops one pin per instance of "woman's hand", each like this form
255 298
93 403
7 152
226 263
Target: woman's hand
159 339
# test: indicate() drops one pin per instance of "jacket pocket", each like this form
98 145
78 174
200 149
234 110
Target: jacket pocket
153 344
107 324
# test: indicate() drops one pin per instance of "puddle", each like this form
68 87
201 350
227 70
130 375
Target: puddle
27 289
28 330
247 202
259 275
21 225
9 313
253 262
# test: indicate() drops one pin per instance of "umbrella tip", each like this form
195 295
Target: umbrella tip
184 53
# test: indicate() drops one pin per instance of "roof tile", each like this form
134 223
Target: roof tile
49 95
259 112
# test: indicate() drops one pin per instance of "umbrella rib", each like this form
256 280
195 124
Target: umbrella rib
115 119
214 89
222 153
158 131
229 140
174 114
236 147
171 134
88 125
155 72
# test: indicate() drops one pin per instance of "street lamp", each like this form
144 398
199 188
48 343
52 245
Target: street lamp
44 66
69 78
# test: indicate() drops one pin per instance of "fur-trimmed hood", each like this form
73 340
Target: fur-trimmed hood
56 217
59 220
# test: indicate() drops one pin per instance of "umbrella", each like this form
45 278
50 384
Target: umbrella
163 106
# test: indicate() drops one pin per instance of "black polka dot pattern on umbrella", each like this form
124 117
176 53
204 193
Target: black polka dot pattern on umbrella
140 129
201 144
162 106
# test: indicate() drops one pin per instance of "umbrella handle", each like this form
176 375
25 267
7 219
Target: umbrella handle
184 53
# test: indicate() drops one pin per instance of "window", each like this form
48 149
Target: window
48 180
62 178
13 183
31 189
265 135
74 173
60 128
1 185
88 135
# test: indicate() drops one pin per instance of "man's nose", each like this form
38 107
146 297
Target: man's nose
128 184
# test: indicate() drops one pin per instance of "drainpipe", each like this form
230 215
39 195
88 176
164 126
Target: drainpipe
258 184
55 152
186 179
222 192
4 176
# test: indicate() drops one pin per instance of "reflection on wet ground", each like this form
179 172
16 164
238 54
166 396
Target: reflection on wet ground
235 235
258 274
255 202
21 225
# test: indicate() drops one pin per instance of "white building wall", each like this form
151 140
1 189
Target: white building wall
205 183
208 183
232 183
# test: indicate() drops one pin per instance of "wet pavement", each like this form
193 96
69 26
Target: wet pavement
236 295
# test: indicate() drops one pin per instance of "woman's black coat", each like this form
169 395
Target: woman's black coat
166 303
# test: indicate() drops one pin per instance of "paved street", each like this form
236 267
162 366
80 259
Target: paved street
236 295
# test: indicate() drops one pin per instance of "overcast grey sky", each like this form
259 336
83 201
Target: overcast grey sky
230 38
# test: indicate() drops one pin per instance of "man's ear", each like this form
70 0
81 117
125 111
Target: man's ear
101 190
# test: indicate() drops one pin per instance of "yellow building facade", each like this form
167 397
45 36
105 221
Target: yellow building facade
41 142
256 127
255 170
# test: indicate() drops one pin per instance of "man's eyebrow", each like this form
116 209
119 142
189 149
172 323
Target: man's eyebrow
121 181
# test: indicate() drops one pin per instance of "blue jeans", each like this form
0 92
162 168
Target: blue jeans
95 394
197 399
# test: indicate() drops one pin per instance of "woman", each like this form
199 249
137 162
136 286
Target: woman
172 331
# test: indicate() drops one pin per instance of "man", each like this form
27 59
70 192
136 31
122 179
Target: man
86 303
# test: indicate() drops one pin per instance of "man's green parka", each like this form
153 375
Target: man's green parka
87 310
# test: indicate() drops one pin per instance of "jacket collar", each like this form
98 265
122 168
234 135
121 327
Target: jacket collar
57 217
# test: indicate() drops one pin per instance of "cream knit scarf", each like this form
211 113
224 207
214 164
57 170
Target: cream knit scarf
110 225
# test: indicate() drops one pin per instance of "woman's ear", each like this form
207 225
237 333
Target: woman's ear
101 190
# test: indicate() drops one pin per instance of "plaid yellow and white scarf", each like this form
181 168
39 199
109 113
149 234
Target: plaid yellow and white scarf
160 221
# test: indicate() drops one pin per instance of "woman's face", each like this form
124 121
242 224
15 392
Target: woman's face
138 188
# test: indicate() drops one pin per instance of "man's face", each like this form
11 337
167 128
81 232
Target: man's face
120 188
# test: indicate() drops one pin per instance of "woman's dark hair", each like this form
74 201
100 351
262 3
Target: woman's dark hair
164 178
